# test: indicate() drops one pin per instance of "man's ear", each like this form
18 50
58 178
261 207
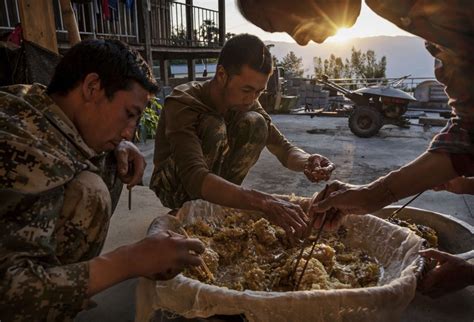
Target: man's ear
221 75
91 86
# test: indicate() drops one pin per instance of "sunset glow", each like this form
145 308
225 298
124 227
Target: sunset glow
343 35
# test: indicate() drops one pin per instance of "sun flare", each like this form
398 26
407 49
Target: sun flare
343 35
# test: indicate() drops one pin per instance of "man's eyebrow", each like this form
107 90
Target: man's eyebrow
253 88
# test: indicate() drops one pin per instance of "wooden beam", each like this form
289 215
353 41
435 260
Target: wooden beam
37 22
147 31
70 22
189 22
191 69
221 8
164 76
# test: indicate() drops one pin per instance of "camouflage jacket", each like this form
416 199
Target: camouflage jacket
40 151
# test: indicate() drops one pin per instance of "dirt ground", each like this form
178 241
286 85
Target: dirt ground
358 161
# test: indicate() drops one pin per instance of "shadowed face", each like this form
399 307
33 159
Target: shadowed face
304 20
239 92
105 122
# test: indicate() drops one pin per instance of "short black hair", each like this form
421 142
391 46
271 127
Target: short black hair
115 62
245 49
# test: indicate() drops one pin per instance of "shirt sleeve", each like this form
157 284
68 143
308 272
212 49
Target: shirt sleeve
34 284
181 132
277 143
456 139
279 146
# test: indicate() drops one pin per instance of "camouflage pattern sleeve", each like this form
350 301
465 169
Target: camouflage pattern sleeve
36 162
33 284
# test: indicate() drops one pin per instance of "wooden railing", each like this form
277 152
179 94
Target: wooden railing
183 25
172 24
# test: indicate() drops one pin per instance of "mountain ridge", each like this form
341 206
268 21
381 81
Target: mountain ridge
405 54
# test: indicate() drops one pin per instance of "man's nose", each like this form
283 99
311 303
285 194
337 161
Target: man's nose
129 131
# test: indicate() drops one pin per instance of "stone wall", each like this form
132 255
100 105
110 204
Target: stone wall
309 93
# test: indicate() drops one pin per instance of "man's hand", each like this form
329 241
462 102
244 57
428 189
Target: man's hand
458 185
159 256
334 216
287 215
348 199
164 255
450 274
318 168
130 163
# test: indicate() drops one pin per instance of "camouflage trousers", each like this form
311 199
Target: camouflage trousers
84 220
230 149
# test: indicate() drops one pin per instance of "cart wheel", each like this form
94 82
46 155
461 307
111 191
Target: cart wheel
365 121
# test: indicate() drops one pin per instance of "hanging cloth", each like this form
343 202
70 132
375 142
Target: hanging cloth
129 4
105 9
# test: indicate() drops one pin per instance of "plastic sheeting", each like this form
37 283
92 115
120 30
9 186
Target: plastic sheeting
394 247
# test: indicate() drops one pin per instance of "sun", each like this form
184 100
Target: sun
343 35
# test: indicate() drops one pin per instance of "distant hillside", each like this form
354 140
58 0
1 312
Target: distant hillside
405 55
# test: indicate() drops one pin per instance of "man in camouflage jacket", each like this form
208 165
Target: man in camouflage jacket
54 205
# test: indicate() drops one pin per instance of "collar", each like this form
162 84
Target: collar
38 98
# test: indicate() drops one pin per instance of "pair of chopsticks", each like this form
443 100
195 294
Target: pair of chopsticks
300 256
205 271
394 214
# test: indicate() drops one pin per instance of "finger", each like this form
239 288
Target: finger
195 245
322 206
295 227
329 168
334 222
290 223
139 165
321 195
173 234
122 161
190 260
438 255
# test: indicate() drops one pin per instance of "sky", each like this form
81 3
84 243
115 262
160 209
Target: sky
368 24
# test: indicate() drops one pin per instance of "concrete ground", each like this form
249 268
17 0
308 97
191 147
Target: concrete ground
358 161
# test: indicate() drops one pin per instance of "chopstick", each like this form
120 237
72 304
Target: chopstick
402 207
207 272
308 232
325 217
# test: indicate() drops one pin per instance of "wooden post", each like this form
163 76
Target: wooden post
191 69
147 32
37 22
164 64
221 8
189 23
70 22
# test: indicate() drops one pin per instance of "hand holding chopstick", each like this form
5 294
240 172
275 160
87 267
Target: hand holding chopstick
207 272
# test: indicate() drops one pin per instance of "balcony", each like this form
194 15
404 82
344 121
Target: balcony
161 29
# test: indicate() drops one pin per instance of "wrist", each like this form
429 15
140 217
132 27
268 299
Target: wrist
107 270
383 192
257 200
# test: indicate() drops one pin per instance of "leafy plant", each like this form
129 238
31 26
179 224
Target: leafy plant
149 120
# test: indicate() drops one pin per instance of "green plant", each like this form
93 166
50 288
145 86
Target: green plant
149 120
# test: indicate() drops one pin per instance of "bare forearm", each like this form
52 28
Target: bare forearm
297 160
108 269
427 171
222 192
